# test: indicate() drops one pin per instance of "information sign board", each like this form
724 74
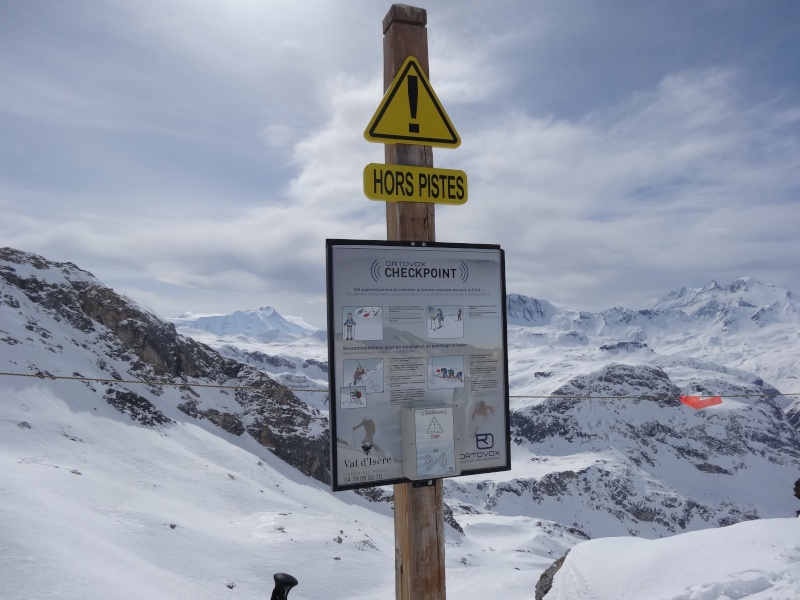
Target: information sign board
416 325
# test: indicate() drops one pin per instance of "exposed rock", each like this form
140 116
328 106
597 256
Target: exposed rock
138 408
228 421
624 346
376 494
321 365
132 345
450 519
633 415
528 310
545 582
709 468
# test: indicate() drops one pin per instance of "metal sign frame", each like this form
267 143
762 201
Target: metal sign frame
415 325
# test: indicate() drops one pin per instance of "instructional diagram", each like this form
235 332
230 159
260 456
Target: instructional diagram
446 322
423 328
365 372
445 372
352 397
362 322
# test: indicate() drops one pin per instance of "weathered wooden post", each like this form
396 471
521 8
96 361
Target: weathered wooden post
405 34
418 511
379 303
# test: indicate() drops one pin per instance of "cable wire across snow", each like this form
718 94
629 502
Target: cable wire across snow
325 391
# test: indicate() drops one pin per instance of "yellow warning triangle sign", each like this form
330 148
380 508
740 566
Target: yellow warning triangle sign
410 113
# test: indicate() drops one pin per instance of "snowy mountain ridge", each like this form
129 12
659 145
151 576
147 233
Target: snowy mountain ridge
638 472
264 325
138 463
747 326
129 451
745 291
294 355
58 321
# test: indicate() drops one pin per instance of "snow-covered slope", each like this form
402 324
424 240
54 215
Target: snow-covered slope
173 487
139 464
59 321
291 353
601 440
96 506
747 325
759 560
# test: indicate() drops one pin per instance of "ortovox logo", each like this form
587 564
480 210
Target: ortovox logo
484 441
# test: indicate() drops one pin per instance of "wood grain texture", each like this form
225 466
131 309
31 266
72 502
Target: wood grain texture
405 35
419 542
418 512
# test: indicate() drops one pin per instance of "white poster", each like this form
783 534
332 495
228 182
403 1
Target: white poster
415 325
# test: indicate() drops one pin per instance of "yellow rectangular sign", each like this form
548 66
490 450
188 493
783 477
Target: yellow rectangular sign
402 183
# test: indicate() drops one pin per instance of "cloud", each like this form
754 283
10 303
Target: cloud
201 151
686 175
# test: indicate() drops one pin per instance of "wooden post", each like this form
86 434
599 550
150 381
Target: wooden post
418 512
404 35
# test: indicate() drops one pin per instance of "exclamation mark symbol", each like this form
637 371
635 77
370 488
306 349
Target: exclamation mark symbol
413 94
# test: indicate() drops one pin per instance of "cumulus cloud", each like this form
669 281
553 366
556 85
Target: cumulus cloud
198 154
683 177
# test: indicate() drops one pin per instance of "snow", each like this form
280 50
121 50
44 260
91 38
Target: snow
89 501
263 324
757 560
94 505
88 505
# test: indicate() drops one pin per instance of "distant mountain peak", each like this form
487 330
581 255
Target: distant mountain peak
523 310
712 298
264 324
741 284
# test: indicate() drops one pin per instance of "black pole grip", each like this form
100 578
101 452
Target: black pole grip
283 583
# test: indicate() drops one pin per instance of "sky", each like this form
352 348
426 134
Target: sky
196 154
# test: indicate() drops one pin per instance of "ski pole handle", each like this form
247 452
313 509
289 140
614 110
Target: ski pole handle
283 583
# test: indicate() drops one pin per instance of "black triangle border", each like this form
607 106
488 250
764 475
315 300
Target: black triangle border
453 141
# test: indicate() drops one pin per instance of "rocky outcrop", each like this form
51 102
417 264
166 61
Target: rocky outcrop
528 311
545 582
144 353
137 407
636 444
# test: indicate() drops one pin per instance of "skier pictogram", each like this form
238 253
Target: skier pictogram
368 443
349 323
